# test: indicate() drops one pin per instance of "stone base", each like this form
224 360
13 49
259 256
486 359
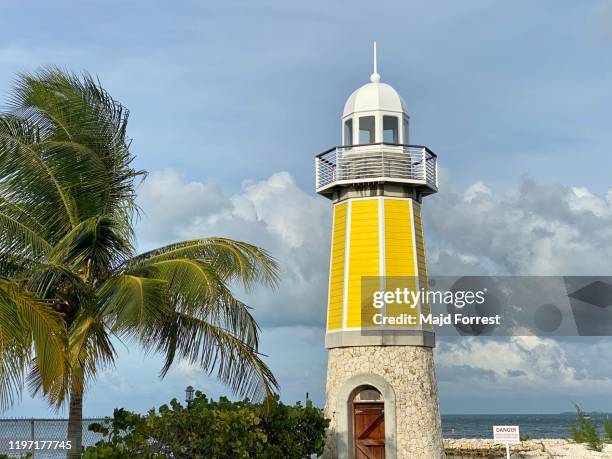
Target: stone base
404 375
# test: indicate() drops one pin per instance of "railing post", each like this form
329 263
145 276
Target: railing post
317 173
436 170
338 165
424 164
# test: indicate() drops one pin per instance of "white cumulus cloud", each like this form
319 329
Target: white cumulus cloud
534 229
275 214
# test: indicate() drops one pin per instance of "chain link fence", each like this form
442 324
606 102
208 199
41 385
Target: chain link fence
41 438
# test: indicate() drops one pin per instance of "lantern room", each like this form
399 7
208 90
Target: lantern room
375 113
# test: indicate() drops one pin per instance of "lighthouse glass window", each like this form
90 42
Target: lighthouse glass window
348 132
390 129
366 130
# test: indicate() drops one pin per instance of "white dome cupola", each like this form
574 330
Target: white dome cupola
375 113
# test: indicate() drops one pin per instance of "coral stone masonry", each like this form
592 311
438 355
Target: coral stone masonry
406 375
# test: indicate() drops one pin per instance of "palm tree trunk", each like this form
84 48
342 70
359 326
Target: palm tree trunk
75 422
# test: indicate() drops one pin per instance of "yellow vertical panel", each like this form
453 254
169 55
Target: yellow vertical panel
363 254
400 269
420 240
336 272
420 250
399 246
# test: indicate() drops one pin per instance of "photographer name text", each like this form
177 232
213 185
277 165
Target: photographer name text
437 320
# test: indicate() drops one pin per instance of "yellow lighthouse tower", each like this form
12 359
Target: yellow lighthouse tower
381 393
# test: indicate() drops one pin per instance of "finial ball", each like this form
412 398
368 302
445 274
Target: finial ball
375 77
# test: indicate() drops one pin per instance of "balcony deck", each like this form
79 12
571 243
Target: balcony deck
377 163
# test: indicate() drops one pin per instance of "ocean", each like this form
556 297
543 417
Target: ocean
453 426
534 425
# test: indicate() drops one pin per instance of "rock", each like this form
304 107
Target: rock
545 448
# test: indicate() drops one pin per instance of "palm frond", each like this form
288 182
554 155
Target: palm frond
28 178
214 349
97 242
232 260
18 238
131 304
68 127
194 287
197 318
90 347
88 350
55 282
27 325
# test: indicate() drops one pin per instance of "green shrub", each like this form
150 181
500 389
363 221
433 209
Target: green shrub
525 437
292 431
586 432
215 430
608 430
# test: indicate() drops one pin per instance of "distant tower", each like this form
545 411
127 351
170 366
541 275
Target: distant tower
382 396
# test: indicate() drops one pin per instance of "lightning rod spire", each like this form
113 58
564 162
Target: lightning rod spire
375 77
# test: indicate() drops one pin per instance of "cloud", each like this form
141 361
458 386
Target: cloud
535 229
274 213
463 373
172 206
520 365
515 373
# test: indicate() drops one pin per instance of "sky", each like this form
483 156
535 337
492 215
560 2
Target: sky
230 102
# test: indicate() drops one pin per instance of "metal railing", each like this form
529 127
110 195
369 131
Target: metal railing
41 437
380 162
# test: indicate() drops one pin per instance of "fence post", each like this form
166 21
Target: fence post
32 436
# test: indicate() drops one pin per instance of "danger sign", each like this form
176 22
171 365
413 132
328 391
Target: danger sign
506 434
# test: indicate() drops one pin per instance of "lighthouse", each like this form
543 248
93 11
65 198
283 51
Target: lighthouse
381 393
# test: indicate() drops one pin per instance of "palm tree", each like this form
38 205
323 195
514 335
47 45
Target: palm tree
70 279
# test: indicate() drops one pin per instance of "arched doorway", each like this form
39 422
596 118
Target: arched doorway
368 419
344 429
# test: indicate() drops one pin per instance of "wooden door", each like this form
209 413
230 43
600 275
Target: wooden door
369 430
